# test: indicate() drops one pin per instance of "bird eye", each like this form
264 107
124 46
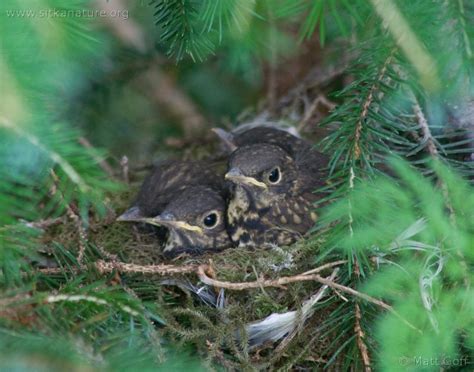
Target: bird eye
210 220
274 176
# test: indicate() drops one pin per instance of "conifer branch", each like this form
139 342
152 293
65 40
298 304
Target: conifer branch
368 102
53 155
427 137
364 352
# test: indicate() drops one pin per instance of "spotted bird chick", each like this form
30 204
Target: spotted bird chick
274 176
187 200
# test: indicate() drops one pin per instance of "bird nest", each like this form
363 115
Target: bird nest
238 308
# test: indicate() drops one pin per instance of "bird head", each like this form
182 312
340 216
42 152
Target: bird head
195 220
265 171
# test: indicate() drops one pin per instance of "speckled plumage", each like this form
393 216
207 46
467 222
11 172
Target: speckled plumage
177 196
264 212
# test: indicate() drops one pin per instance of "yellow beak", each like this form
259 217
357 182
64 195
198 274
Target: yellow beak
168 220
236 176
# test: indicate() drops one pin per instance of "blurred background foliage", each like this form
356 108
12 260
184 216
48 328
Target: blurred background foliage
143 80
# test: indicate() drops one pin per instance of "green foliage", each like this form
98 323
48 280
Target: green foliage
414 243
397 104
72 322
390 109
198 28
178 18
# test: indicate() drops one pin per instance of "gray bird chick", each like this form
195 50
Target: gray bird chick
186 199
274 176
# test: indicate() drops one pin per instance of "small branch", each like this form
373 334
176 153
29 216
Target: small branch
364 352
367 103
127 30
287 280
44 224
317 77
109 267
324 267
356 153
425 129
320 99
298 278
162 269
125 169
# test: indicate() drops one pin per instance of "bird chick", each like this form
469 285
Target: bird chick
187 200
274 176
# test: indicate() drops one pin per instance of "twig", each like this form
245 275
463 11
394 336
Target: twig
324 267
127 30
364 352
366 105
44 224
125 169
162 269
111 257
316 77
109 267
298 278
287 280
425 129
320 99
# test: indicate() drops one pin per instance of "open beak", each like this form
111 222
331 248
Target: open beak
169 220
236 176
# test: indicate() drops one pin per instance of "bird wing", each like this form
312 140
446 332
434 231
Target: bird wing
313 169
